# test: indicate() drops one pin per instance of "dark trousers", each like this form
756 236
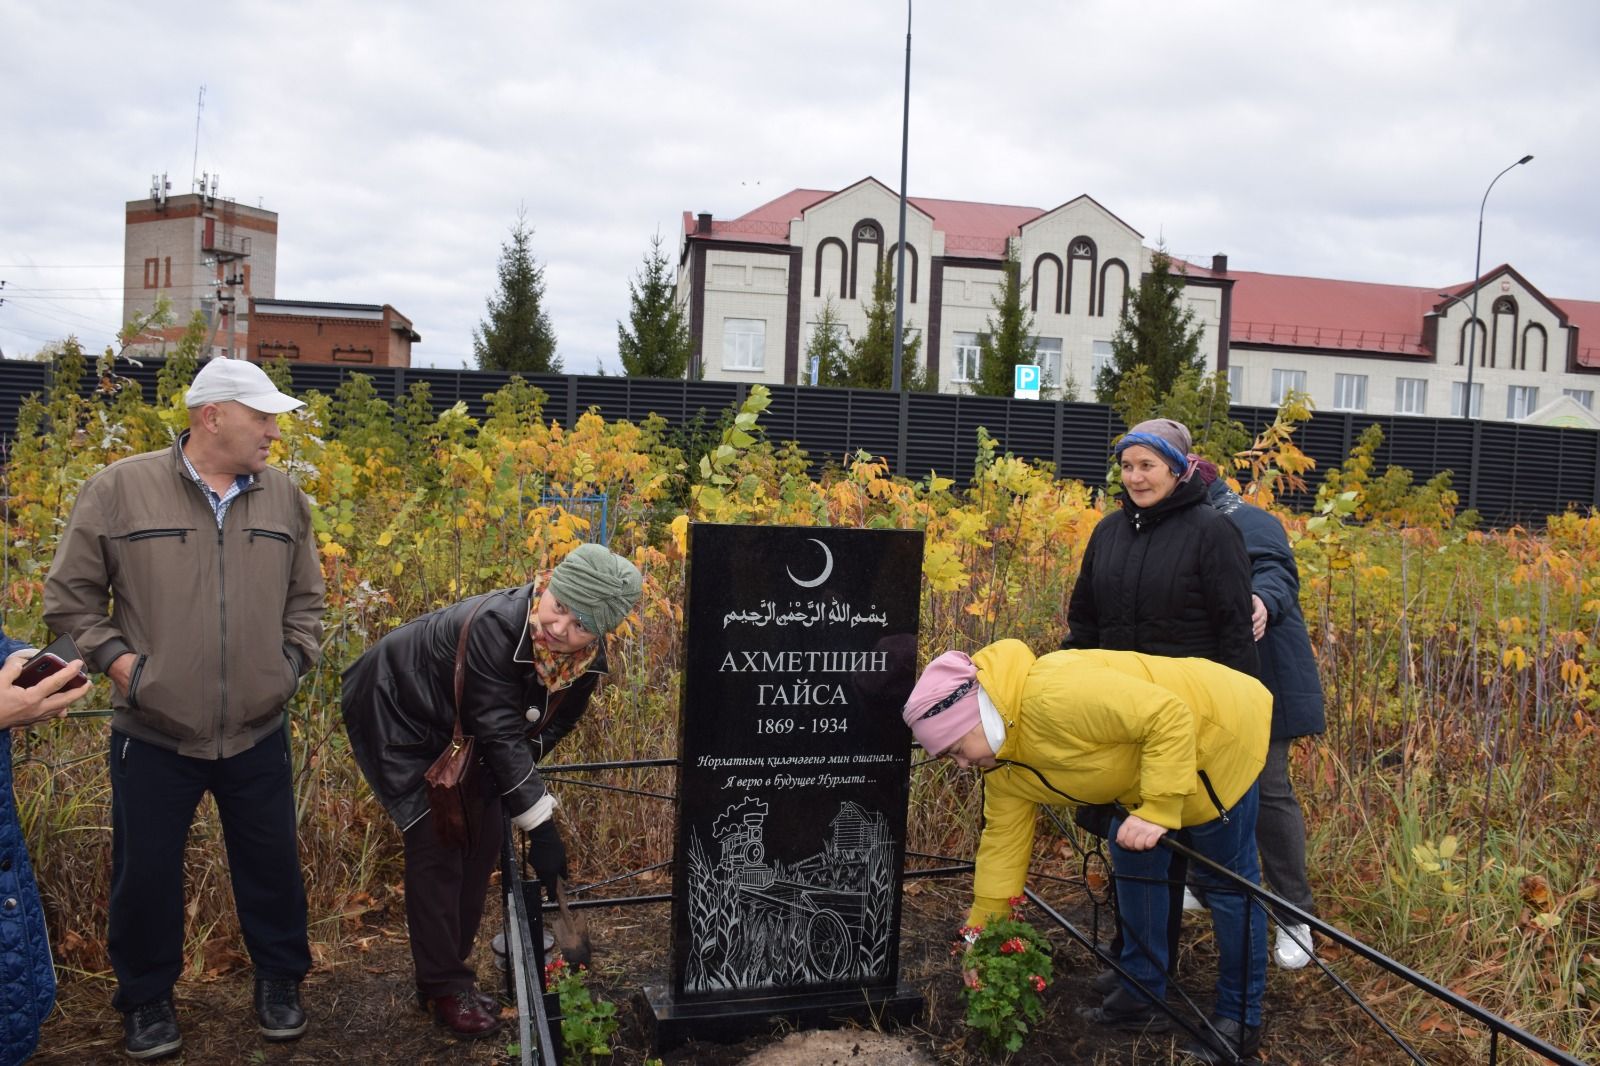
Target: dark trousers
154 793
1281 831
445 892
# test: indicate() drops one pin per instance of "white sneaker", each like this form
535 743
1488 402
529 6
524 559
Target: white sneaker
1292 949
1191 902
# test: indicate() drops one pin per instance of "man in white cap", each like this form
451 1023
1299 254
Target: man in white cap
189 576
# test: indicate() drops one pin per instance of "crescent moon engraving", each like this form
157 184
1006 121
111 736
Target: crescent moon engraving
827 567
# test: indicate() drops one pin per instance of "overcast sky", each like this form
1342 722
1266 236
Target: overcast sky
396 140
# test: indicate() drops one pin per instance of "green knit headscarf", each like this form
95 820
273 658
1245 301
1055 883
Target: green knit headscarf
597 586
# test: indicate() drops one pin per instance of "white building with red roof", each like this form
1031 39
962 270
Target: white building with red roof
754 287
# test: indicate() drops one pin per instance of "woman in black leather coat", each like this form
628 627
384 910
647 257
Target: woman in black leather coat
533 656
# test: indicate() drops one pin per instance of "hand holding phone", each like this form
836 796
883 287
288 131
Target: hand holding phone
38 688
53 659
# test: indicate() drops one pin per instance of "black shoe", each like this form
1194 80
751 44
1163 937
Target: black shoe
278 1008
151 1031
1105 982
1239 1041
1127 1011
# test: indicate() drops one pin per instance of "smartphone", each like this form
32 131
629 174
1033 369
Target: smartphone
61 651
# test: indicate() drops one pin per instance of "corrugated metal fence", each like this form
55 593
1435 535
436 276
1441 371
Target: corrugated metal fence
1509 472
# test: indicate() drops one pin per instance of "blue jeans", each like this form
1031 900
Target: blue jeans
1229 841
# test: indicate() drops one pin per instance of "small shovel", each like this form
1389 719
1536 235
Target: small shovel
570 930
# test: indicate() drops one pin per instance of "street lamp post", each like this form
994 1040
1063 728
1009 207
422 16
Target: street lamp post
900 251
1477 265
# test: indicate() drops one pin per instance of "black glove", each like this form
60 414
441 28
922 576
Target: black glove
547 854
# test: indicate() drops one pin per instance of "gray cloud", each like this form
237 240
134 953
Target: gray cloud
397 140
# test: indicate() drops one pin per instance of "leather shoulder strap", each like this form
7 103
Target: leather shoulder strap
461 662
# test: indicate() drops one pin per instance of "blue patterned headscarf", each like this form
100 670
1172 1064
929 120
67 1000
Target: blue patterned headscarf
1166 438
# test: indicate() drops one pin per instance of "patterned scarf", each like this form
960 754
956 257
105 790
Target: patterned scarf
557 670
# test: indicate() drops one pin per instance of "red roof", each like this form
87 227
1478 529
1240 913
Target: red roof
1585 315
1361 315
976 230
970 229
1322 313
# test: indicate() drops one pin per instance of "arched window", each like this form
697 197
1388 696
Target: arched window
1536 342
1040 264
1481 345
1503 334
1114 270
911 258
866 232
822 256
1081 250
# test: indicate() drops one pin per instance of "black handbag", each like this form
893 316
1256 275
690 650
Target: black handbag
455 780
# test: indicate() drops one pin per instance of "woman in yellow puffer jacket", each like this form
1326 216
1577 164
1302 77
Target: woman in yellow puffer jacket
1176 743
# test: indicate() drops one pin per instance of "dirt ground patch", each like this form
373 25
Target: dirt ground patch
362 1008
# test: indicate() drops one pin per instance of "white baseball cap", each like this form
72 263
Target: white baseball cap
222 380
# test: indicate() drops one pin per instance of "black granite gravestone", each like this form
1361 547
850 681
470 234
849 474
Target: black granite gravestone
800 652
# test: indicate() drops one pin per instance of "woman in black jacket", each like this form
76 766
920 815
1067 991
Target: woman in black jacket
533 656
1164 575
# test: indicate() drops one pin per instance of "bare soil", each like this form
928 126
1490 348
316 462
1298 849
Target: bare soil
360 997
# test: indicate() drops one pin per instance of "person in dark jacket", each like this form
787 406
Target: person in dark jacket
533 657
1289 670
27 975
1164 575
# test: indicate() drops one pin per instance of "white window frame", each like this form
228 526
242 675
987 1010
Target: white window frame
1100 359
744 349
964 364
1283 381
1236 384
1458 391
1410 396
1521 401
1584 397
1349 392
1047 354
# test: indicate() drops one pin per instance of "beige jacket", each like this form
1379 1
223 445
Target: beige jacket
223 622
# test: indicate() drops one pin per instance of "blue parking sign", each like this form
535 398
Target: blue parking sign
1026 384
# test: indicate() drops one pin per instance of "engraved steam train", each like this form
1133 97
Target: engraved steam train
829 889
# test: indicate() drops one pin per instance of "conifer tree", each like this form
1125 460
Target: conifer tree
871 361
516 334
1009 339
827 347
1201 402
1155 331
656 342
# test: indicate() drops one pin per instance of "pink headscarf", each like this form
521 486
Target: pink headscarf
943 706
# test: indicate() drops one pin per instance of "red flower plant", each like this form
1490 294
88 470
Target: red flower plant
1004 968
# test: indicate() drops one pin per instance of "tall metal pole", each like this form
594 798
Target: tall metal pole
900 249
1477 265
